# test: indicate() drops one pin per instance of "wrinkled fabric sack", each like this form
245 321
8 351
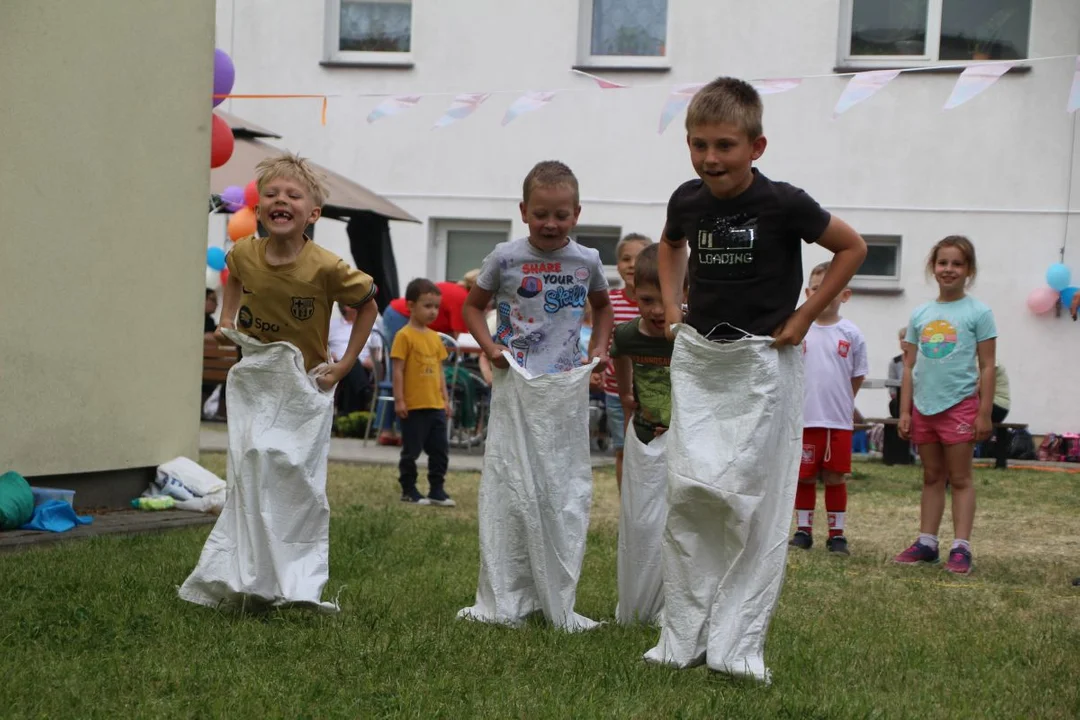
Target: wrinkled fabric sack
55 516
270 546
16 501
535 493
736 417
642 514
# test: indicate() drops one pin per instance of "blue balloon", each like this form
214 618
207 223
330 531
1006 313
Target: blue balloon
1058 276
1067 295
215 258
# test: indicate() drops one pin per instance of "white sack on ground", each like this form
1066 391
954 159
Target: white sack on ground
736 417
534 499
642 514
270 546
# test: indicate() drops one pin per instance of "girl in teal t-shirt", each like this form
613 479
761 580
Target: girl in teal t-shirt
946 398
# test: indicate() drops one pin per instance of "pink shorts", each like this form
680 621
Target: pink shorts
949 427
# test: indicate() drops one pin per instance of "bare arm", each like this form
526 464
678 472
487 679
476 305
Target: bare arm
856 384
473 313
906 392
849 251
987 352
398 382
672 261
603 321
336 372
229 305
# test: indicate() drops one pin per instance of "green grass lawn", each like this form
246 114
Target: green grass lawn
94 629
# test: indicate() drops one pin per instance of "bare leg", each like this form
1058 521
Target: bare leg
933 492
618 468
958 463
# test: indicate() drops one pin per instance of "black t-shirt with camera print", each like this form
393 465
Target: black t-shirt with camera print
745 253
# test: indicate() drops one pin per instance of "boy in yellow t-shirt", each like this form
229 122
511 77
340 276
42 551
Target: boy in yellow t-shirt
420 397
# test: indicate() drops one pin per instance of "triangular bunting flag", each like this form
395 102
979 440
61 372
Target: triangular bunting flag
772 87
604 84
973 81
463 106
525 104
1074 94
392 106
861 87
677 101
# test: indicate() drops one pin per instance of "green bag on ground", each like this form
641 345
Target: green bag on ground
16 501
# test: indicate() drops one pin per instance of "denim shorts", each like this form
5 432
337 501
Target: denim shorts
616 421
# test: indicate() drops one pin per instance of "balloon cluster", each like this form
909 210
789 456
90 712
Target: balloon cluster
240 201
1042 300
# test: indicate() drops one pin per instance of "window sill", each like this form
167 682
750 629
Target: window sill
627 67
369 64
854 67
883 290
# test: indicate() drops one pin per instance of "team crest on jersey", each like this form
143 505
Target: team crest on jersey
303 308
809 454
843 347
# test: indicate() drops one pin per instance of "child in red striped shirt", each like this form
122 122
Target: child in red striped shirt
626 309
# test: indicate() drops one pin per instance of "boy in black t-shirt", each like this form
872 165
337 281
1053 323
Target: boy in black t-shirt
736 407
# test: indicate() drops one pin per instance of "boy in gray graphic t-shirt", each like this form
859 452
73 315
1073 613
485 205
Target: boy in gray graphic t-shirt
540 283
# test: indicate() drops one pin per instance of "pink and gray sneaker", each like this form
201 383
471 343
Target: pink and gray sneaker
918 553
959 562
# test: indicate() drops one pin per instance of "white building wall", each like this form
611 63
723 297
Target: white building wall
997 169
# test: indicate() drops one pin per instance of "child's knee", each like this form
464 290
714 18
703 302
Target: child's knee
934 477
833 478
960 482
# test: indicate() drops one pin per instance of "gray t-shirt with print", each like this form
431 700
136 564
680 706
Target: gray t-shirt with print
540 300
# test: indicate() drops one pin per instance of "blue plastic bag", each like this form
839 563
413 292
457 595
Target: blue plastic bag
56 516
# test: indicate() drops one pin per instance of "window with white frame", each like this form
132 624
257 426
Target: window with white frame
604 239
462 245
623 33
881 268
878 33
378 32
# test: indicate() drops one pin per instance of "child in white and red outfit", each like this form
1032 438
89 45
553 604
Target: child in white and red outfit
626 309
834 356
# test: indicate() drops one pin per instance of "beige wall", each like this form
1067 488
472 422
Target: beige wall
104 174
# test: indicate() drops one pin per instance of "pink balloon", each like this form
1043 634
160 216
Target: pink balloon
1042 300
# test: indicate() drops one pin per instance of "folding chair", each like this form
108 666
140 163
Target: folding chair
453 361
383 397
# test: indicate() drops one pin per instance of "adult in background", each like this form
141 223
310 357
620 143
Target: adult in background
895 451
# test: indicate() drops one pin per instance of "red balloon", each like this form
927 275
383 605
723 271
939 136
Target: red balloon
221 142
251 195
224 277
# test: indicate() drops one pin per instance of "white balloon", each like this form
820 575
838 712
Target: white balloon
213 278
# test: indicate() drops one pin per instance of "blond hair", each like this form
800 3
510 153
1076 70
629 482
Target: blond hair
550 173
293 167
631 238
727 100
821 268
961 243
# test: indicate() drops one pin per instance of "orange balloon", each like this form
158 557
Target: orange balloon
242 223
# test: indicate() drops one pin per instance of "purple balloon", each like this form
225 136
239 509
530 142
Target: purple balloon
233 197
224 75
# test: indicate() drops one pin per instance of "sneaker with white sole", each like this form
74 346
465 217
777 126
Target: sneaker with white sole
440 498
414 498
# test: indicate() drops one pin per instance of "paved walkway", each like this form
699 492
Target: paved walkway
351 450
107 523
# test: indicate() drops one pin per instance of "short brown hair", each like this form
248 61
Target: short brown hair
961 243
727 100
647 266
550 173
418 287
293 167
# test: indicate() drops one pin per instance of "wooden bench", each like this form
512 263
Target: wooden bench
217 359
1002 458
